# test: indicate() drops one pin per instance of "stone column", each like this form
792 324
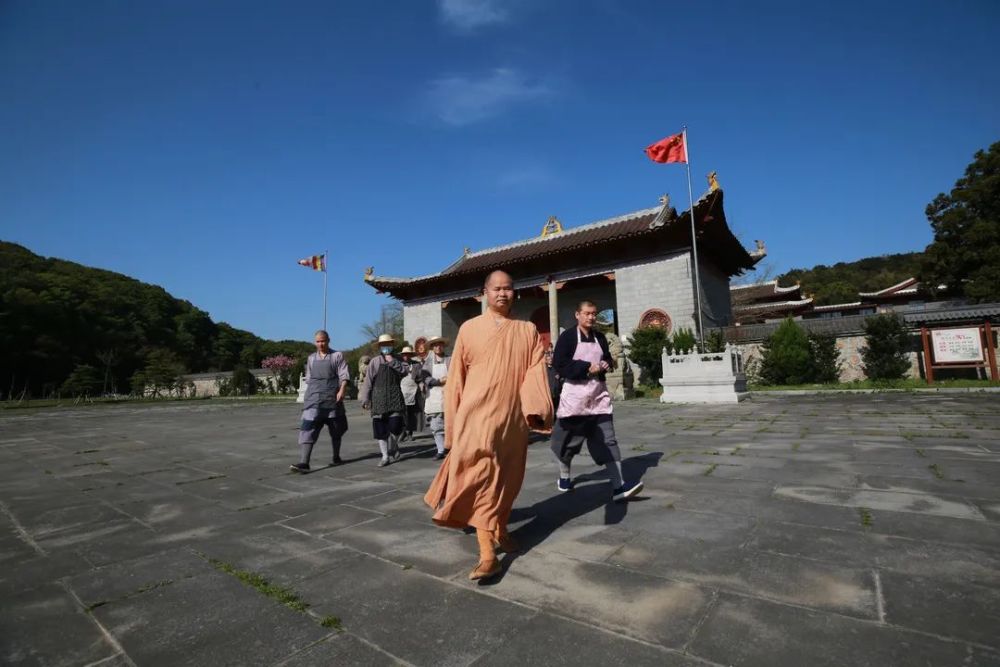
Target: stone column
553 311
482 303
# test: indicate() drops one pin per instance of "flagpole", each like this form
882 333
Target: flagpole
694 240
326 270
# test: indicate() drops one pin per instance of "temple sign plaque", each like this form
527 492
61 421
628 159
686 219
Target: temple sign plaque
957 345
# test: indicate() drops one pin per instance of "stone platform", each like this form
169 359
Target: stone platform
831 530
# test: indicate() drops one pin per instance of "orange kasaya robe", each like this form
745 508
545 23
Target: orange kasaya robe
496 380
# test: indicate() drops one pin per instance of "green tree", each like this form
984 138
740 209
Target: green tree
243 382
161 374
786 356
886 346
965 253
85 380
825 358
645 350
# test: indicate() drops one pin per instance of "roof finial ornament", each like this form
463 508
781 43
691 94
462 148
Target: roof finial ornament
369 273
666 214
552 226
761 251
467 251
713 181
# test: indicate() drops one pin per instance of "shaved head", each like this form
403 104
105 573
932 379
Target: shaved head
499 292
499 273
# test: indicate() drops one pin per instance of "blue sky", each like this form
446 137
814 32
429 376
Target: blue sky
207 146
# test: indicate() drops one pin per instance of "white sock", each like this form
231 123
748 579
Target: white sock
383 447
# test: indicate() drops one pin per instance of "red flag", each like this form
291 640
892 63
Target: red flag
316 262
671 149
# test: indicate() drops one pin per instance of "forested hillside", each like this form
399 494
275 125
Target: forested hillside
60 320
841 282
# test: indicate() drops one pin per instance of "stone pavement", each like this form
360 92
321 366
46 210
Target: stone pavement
831 530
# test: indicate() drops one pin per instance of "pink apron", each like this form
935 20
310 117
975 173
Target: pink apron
587 397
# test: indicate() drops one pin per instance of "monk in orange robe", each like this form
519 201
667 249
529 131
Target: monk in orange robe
497 390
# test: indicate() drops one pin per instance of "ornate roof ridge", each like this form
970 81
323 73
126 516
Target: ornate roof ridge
835 306
893 288
749 285
566 232
773 304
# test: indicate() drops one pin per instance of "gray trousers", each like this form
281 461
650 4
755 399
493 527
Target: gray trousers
312 425
437 429
598 431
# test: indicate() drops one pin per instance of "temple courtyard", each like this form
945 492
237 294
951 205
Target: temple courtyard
785 530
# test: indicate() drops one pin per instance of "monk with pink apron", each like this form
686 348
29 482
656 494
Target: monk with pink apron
581 359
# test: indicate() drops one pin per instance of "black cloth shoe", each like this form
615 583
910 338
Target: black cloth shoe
299 467
439 456
337 461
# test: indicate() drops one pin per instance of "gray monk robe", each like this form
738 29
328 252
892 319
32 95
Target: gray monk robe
321 407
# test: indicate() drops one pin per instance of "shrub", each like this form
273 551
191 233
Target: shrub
85 380
243 382
715 341
684 341
786 356
645 351
825 358
886 345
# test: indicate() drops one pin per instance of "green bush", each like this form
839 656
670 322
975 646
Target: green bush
786 356
886 346
825 358
645 351
243 382
684 341
85 380
715 341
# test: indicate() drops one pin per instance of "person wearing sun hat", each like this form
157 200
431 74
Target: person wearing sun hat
435 376
381 394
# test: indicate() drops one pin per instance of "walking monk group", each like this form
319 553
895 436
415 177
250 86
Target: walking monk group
496 392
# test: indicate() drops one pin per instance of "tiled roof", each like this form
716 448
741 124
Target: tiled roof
908 286
618 227
755 291
645 223
775 306
979 312
838 306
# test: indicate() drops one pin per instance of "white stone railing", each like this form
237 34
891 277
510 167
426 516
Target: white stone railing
302 389
703 377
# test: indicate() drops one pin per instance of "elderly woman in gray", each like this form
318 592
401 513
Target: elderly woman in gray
326 382
435 375
381 394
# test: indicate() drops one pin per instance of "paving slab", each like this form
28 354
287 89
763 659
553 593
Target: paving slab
780 531
420 619
747 631
27 623
950 608
172 624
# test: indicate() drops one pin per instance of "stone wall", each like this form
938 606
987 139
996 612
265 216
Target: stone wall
421 320
207 384
457 313
849 354
667 284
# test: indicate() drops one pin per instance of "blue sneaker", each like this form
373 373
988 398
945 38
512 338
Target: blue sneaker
564 485
626 491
